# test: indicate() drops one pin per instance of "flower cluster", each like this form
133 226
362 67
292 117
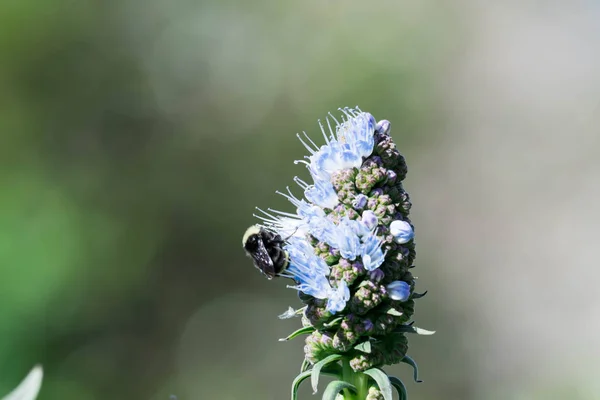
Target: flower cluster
350 245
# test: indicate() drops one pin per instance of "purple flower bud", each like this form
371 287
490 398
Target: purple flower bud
383 127
369 219
377 192
391 176
376 275
359 202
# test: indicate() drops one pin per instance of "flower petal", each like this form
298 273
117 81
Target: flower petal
338 298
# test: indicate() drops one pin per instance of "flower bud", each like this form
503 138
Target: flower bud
369 219
359 202
402 231
398 290
374 394
383 127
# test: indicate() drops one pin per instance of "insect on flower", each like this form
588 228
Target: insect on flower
349 249
264 247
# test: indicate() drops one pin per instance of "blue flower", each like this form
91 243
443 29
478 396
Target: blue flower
338 298
311 275
372 255
357 131
321 193
345 239
398 290
333 157
353 139
401 231
287 224
307 269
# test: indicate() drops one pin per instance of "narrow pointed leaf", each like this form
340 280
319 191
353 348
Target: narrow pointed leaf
421 331
30 386
416 295
333 322
413 329
399 385
316 370
394 312
305 365
382 380
302 331
331 370
334 387
412 363
296 383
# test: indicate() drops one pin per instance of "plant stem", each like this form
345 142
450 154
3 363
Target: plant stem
358 379
361 383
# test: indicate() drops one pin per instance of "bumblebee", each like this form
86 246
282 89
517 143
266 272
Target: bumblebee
264 247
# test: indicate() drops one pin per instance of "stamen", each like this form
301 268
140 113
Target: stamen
323 132
310 140
345 111
301 183
336 122
275 219
305 145
343 116
270 222
285 214
290 196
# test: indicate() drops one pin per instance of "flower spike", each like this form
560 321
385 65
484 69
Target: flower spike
349 249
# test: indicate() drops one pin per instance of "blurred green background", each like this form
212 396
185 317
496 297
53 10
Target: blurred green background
138 136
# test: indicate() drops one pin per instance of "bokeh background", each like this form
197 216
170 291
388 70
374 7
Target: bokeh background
137 136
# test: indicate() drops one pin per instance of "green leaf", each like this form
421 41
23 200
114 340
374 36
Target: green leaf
394 312
30 386
305 365
333 322
331 370
413 329
383 381
334 387
364 347
316 370
399 385
416 295
296 383
302 331
412 363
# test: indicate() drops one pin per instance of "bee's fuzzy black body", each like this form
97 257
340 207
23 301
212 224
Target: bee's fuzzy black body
264 247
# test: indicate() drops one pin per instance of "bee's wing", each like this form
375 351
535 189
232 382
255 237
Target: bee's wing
263 261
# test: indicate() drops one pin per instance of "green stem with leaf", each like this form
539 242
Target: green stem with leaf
357 379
